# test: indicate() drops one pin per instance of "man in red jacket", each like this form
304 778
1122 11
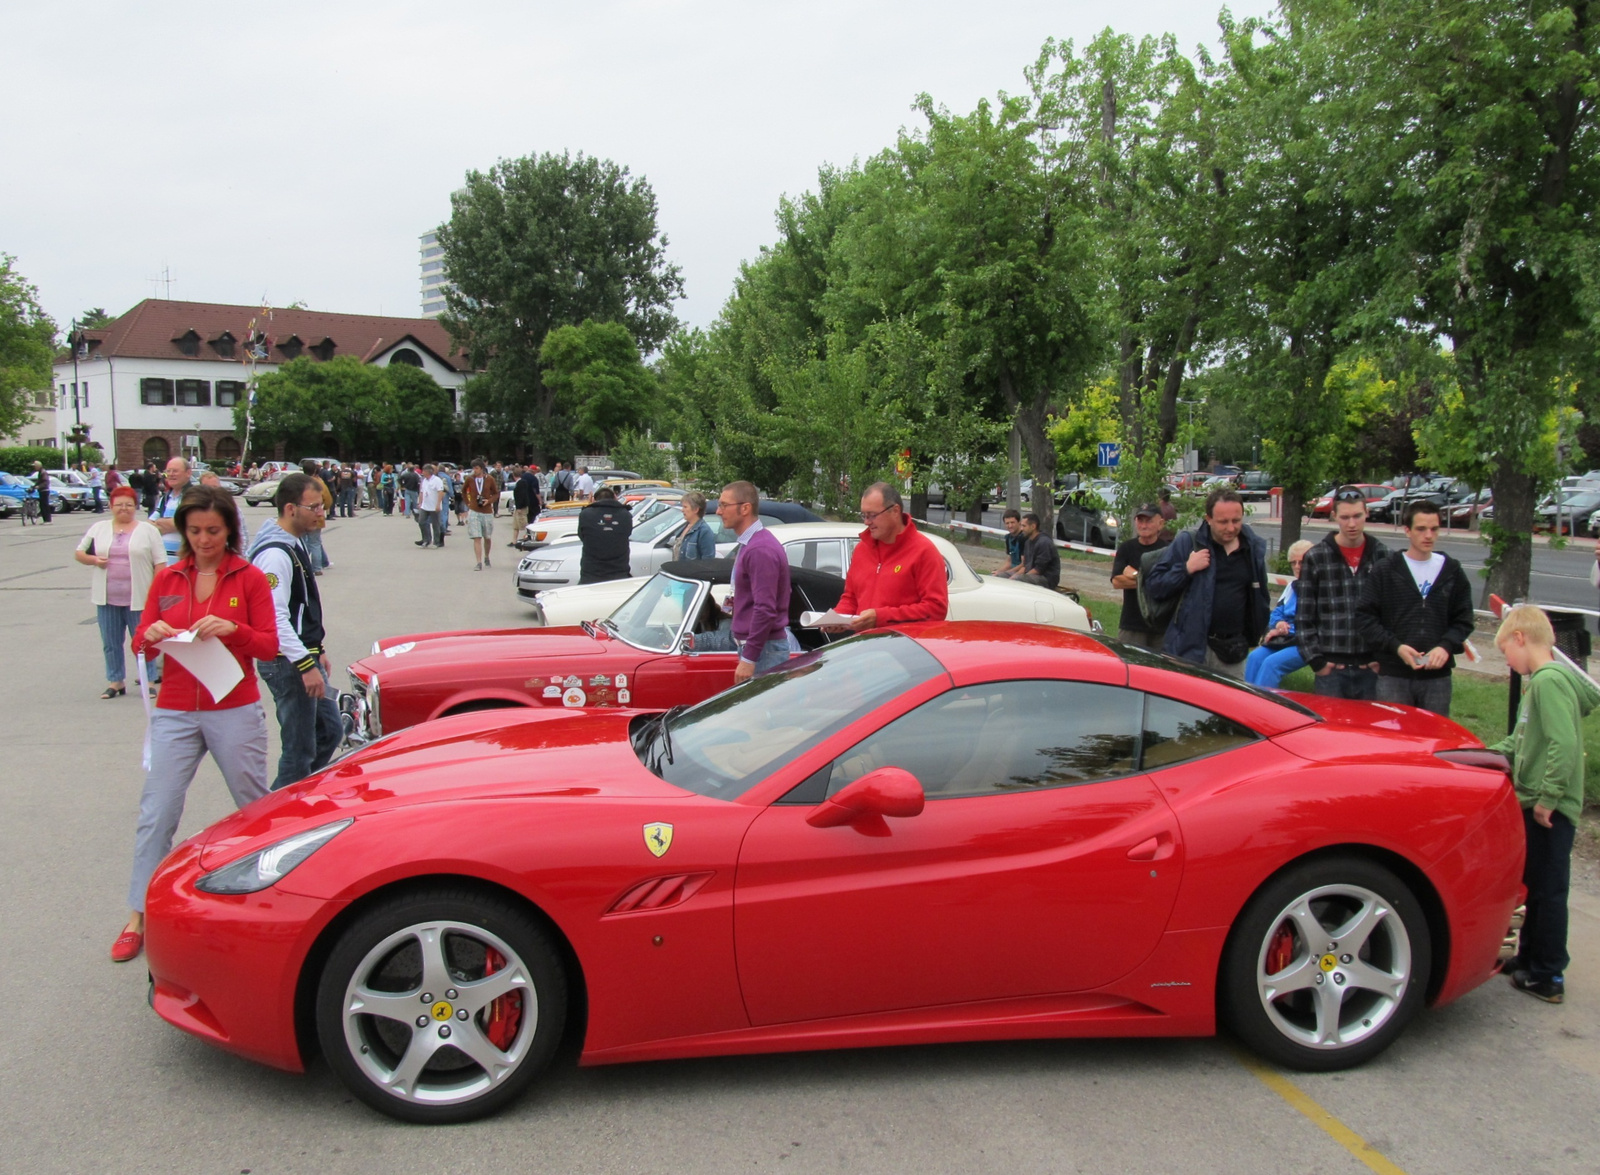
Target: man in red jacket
896 575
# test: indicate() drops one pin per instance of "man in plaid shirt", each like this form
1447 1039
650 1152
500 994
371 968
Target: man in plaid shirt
1329 589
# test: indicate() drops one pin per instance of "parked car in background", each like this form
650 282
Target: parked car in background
260 494
555 525
828 546
1469 510
1091 515
1567 512
14 489
69 490
1255 485
1322 506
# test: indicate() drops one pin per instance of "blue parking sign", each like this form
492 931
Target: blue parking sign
1110 454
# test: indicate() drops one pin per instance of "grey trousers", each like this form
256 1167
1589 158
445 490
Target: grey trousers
1425 693
1231 668
236 738
1144 640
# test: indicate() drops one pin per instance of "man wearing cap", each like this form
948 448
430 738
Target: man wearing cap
1148 525
1327 628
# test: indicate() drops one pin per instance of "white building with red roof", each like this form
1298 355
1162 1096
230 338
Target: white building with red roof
162 380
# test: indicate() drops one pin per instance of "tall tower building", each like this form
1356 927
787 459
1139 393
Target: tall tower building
433 281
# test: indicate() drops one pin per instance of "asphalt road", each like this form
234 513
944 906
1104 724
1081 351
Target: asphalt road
92 1080
1559 577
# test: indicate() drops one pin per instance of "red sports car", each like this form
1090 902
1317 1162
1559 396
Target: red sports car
958 831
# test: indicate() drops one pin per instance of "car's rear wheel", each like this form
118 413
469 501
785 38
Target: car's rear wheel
442 1006
1327 965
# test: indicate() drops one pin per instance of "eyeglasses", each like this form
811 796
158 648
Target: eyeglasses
872 515
313 506
721 506
1349 494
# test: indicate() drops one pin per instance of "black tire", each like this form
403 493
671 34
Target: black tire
1369 994
389 946
1096 539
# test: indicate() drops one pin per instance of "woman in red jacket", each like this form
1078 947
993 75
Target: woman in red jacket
214 592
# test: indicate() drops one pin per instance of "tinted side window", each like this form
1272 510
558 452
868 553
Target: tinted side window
1004 736
1175 732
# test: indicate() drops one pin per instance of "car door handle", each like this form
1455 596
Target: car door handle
1156 848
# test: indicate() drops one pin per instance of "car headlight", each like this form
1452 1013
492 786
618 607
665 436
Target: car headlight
270 865
546 565
1111 521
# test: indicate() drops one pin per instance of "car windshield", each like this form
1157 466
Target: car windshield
653 528
652 617
729 743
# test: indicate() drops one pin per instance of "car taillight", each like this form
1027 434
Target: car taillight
1476 757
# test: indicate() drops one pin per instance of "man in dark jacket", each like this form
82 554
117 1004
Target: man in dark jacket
1223 565
525 502
1040 563
1329 588
1416 611
604 526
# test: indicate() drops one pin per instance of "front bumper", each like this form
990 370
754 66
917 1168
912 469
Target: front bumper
226 969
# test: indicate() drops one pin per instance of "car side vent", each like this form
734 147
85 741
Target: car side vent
1476 757
660 892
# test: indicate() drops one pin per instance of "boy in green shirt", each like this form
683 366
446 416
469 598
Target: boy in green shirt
1546 751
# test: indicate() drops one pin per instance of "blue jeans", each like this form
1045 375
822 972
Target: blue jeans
410 497
117 622
313 544
1547 872
1267 667
1357 684
310 729
444 521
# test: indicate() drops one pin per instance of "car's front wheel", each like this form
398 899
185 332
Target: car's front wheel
1327 965
442 1006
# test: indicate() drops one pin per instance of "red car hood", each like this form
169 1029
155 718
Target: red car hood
473 645
493 754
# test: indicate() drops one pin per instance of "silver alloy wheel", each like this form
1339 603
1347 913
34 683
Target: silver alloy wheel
428 1044
1341 962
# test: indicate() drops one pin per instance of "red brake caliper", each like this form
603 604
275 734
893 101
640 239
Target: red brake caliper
504 1015
1281 953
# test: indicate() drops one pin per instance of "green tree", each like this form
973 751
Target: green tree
369 411
27 346
92 319
1095 417
1478 147
543 242
594 374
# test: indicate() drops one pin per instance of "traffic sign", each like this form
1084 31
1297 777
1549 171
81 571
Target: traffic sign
1110 454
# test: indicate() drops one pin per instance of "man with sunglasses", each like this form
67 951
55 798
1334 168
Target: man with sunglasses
1329 589
896 575
309 725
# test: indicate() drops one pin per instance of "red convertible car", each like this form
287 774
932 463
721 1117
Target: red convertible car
958 831
639 656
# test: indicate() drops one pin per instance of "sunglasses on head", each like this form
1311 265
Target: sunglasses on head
1349 494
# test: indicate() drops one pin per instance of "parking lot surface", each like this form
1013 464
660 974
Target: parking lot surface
94 1081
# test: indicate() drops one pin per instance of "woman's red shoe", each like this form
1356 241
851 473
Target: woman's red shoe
128 945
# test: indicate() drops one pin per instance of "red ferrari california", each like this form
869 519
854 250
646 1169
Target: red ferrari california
959 831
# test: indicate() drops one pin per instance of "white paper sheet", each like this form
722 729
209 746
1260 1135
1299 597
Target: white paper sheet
208 659
828 619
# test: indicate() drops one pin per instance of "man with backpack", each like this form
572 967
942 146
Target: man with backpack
1131 559
1217 574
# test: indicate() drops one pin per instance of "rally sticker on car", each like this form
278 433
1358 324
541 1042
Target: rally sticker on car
623 697
573 682
552 691
599 679
396 650
622 681
574 697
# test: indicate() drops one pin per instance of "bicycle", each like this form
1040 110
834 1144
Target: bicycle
30 510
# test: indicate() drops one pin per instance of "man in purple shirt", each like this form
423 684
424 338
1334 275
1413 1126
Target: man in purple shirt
760 585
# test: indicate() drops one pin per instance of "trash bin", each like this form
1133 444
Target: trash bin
1572 635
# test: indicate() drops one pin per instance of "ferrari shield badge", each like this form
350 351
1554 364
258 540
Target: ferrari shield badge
658 838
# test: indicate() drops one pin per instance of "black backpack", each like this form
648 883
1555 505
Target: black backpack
1157 614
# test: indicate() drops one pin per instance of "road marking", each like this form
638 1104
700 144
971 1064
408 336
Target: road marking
1373 1159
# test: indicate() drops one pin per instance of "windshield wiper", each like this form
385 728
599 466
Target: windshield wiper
661 722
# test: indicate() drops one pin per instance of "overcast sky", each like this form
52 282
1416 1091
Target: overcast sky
295 151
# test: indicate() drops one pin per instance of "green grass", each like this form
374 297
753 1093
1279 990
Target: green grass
1478 703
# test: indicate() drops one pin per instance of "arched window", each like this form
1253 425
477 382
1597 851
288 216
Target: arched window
228 449
407 356
156 449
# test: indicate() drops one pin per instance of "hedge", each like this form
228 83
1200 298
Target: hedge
20 458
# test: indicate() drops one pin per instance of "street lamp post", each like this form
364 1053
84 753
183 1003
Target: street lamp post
1188 445
75 338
